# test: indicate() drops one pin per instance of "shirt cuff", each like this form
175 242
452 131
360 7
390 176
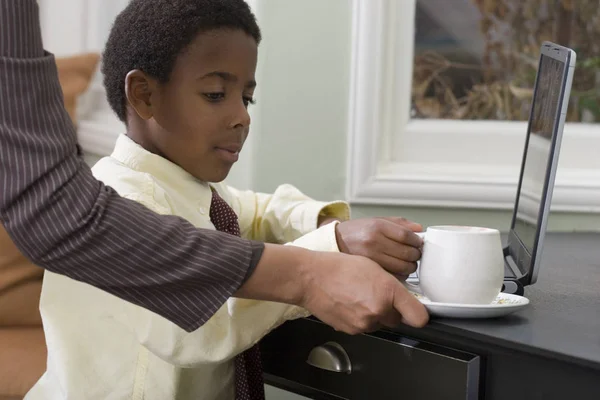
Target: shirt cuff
322 239
335 209
257 249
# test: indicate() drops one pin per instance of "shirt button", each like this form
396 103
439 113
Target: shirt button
202 210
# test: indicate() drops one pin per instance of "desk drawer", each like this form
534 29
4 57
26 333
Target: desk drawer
379 366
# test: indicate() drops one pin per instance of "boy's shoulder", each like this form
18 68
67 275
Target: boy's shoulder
131 183
119 176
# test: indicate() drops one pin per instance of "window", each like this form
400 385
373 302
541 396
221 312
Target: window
439 94
476 59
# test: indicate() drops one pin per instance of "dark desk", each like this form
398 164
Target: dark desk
551 350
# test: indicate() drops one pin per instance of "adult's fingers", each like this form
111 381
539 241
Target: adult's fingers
412 310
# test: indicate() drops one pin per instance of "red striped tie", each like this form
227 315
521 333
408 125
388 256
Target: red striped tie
249 383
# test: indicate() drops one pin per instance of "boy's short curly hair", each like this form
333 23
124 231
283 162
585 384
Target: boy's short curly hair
149 35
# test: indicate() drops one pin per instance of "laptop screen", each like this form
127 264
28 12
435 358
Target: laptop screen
539 149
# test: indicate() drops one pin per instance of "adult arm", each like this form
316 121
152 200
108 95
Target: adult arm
69 223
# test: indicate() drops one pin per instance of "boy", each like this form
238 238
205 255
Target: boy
181 75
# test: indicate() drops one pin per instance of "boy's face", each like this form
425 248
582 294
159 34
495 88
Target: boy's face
199 118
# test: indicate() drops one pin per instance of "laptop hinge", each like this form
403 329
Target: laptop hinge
511 284
510 263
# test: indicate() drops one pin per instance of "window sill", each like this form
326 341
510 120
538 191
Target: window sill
470 186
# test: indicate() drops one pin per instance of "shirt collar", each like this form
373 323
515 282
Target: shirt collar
134 156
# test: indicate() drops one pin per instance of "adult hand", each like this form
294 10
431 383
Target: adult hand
354 295
390 242
350 293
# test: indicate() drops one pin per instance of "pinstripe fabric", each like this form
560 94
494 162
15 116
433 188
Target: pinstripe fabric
69 223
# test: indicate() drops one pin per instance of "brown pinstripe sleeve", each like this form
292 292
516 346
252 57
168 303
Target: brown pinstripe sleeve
69 223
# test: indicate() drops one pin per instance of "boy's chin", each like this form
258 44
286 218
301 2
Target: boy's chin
216 176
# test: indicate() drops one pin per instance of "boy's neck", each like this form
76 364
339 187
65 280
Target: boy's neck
137 131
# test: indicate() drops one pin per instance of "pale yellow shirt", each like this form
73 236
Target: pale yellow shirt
101 347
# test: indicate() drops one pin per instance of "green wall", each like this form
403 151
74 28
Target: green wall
300 135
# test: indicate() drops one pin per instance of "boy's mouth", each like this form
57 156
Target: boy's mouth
229 153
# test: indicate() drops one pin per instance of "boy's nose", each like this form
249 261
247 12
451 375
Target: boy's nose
242 117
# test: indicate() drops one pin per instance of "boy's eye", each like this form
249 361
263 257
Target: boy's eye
216 96
249 100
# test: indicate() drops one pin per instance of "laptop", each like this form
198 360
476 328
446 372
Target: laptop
523 250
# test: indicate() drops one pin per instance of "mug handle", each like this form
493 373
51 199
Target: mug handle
411 286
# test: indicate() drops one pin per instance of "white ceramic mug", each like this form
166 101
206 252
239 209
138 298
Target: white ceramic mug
461 264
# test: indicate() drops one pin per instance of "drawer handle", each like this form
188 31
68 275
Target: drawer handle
331 357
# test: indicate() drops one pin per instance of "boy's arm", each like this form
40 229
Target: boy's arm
67 222
237 326
283 216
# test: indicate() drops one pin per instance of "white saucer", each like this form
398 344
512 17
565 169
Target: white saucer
503 305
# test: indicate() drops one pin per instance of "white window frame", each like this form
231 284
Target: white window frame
396 160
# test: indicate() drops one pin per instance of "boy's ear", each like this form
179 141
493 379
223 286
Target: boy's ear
138 89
